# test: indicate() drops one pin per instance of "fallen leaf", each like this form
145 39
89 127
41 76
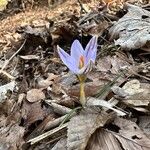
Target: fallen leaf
130 135
35 95
103 140
32 112
132 30
81 127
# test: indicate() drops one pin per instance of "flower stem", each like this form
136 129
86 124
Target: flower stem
82 93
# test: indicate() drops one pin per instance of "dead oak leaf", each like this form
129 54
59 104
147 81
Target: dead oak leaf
130 135
81 127
132 30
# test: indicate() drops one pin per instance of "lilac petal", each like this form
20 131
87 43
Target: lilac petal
91 50
68 60
77 51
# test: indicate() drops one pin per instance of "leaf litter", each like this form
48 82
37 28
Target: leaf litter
40 106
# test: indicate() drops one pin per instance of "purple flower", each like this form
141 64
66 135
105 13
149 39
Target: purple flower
79 61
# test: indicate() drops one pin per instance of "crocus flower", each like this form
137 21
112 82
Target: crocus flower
79 61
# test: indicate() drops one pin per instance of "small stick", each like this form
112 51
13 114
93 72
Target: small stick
7 62
47 134
6 74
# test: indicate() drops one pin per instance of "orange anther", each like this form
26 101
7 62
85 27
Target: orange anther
81 62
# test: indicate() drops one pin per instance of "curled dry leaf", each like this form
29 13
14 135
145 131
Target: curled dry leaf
35 95
81 127
130 135
132 30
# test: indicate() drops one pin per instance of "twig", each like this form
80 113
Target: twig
7 62
146 78
6 74
56 139
47 134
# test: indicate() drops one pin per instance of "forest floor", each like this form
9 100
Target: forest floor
39 97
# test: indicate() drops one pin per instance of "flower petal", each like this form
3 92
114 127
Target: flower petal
68 60
77 51
91 50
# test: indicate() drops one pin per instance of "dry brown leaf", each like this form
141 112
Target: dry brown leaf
132 30
35 95
32 112
81 127
130 135
11 137
103 140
